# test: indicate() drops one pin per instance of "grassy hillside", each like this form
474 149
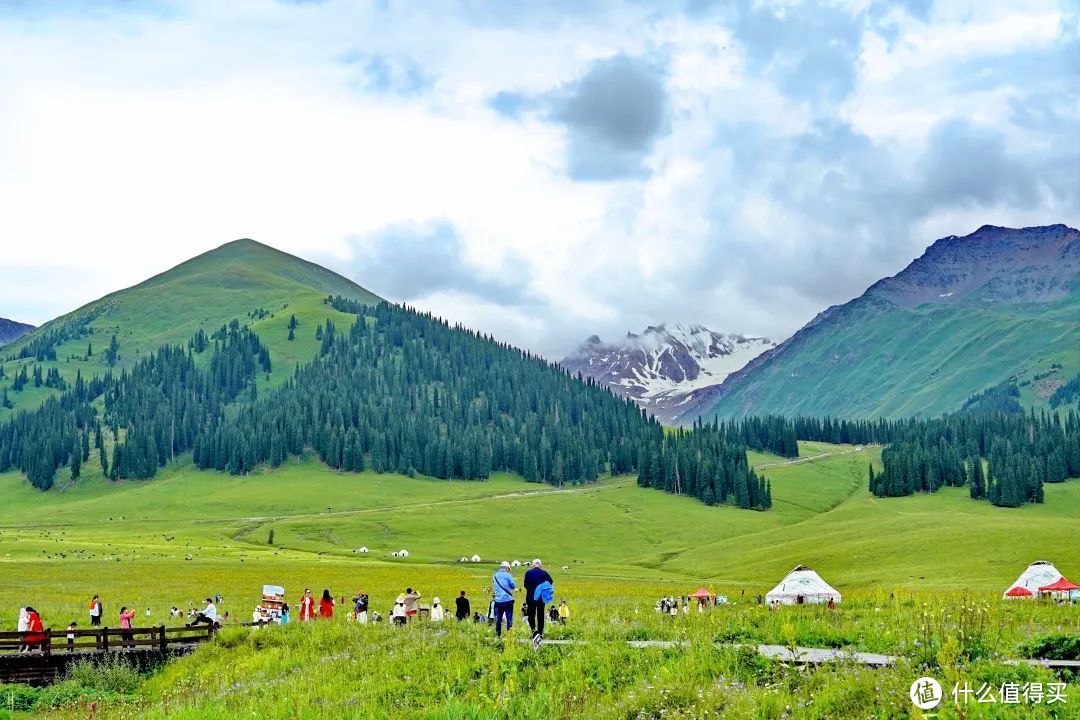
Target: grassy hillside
234 281
96 535
871 359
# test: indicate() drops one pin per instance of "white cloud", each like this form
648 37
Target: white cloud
131 140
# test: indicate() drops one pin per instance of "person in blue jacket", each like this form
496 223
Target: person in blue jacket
538 583
503 586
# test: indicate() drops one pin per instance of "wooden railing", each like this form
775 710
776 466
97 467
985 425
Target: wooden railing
57 641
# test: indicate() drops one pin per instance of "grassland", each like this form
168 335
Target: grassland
205 292
187 534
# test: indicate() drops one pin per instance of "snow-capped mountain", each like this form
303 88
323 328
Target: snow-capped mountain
662 367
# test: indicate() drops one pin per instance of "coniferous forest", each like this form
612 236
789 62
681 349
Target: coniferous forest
401 391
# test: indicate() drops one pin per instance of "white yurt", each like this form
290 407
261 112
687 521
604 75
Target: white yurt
362 550
476 558
515 563
403 553
802 585
463 559
1038 574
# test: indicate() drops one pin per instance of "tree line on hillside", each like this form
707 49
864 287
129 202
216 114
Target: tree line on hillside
399 391
1067 393
154 411
402 391
1020 451
708 462
42 346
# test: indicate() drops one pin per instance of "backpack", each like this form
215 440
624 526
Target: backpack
544 592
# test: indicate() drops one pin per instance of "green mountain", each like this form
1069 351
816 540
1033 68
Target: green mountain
11 330
997 311
243 279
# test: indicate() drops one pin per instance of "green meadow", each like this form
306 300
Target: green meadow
914 572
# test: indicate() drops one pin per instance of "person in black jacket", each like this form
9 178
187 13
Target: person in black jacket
534 605
462 604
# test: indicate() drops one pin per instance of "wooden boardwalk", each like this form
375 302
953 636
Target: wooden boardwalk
50 658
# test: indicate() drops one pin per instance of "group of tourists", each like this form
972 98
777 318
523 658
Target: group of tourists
538 608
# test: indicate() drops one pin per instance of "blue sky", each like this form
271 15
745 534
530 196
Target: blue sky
540 171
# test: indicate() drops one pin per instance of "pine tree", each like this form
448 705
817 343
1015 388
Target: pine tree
112 353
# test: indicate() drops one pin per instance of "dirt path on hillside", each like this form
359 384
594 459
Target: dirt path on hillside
436 503
812 458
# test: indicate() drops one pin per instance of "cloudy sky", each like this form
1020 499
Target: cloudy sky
538 170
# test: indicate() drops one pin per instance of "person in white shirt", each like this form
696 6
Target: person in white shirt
208 615
437 612
397 615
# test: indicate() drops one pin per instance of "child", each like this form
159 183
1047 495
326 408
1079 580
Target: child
71 637
285 613
564 611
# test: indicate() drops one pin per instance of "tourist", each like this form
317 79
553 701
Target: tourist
360 607
564 611
208 615
126 635
284 614
502 588
95 612
174 612
71 637
673 608
22 627
832 604
326 605
257 616
462 608
397 614
412 597
147 613
35 631
553 614
307 606
538 591
437 612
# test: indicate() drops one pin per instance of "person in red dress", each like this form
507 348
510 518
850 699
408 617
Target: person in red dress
35 630
307 606
326 605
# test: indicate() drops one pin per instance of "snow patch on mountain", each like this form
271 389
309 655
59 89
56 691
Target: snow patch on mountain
662 367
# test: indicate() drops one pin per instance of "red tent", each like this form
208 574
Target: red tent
1062 585
1018 591
702 593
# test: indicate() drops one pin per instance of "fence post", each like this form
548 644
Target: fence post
164 642
103 641
46 647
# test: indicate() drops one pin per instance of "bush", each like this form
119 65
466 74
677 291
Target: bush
1053 647
18 697
111 675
